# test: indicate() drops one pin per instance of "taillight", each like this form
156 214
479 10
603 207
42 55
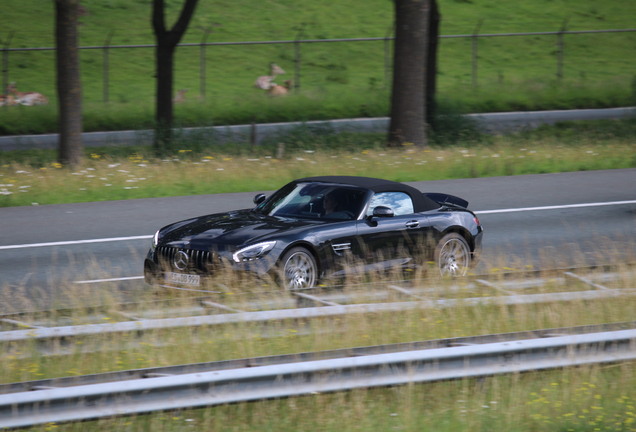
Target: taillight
476 219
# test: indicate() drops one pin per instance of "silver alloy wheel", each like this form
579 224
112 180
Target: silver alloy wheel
452 255
299 269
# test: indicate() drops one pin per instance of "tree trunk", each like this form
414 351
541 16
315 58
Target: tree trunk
69 88
431 64
164 108
408 100
166 41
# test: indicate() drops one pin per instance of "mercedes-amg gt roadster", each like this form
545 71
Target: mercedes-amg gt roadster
318 229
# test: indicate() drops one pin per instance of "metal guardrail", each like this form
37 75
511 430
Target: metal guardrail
215 387
213 301
257 133
206 312
70 381
303 313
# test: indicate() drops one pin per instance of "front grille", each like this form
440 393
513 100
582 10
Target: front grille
198 260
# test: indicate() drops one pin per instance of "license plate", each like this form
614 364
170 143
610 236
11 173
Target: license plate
182 279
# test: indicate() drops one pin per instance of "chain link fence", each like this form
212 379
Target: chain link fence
210 52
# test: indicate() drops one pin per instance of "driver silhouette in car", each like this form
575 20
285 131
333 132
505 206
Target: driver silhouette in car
334 207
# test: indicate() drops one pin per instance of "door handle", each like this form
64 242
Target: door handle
412 224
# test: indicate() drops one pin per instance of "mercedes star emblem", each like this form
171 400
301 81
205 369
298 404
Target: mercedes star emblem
181 260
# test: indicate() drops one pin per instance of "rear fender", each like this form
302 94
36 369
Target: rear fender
464 233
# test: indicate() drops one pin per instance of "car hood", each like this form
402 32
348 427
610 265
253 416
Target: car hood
229 229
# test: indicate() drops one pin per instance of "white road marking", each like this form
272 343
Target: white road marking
568 206
75 242
109 280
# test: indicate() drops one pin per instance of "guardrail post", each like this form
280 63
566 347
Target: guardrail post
106 66
475 52
560 50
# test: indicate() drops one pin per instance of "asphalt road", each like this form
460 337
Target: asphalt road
57 255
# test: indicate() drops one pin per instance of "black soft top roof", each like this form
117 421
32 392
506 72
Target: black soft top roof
420 202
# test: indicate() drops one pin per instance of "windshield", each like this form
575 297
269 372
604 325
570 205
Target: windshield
316 201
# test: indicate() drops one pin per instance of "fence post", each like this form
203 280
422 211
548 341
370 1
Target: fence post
297 58
106 66
561 50
202 61
475 52
5 64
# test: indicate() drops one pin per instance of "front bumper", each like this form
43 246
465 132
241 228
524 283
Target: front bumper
160 267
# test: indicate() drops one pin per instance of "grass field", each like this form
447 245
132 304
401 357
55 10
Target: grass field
34 178
347 79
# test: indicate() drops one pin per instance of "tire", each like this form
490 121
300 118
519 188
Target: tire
452 255
298 269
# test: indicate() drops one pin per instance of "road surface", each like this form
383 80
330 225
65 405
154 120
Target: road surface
55 255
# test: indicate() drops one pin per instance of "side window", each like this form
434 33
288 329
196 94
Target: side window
399 202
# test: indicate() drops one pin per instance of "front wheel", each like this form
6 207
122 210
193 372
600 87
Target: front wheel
452 255
298 269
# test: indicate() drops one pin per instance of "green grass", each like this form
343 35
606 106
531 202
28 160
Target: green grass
337 79
580 400
198 167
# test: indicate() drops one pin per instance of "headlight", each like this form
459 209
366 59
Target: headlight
155 240
253 252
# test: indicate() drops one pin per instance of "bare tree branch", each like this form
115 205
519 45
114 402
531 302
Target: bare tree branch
167 41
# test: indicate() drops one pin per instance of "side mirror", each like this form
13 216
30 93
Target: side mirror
259 198
383 212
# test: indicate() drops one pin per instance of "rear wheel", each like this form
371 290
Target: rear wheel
298 269
452 255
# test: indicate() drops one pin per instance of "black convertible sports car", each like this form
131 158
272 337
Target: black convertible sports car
316 228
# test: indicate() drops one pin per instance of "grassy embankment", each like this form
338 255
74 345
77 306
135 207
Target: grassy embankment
337 79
